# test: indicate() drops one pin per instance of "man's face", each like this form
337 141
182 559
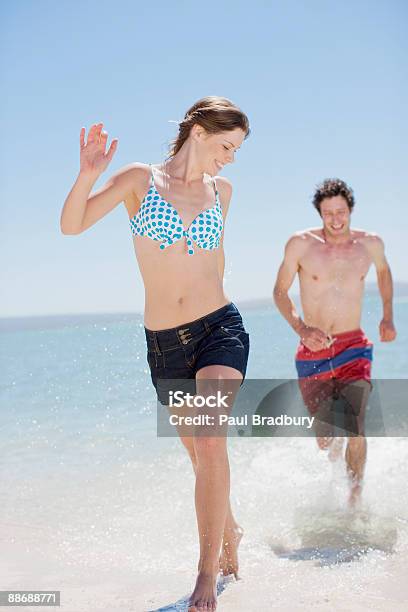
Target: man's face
335 215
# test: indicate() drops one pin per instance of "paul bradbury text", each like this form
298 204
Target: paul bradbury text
205 420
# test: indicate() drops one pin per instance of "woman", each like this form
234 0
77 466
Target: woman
177 214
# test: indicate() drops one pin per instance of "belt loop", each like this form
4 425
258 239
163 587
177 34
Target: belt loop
207 327
156 344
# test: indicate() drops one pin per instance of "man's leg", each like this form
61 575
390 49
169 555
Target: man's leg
318 398
355 396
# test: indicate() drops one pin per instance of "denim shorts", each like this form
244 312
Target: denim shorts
218 338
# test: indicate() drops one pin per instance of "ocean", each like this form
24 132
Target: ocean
95 505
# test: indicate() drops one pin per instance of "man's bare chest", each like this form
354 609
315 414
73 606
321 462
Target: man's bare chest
327 262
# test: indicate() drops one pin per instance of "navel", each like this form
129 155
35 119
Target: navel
315 277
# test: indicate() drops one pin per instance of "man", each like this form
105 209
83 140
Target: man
334 356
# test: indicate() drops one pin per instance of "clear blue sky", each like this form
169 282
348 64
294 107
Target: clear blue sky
324 84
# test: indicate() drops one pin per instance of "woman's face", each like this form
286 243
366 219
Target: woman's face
217 150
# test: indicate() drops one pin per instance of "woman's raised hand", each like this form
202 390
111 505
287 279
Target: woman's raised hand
93 159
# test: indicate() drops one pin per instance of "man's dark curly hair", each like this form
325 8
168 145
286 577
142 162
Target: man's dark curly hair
330 188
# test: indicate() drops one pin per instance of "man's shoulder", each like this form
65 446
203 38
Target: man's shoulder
306 236
362 233
301 240
369 239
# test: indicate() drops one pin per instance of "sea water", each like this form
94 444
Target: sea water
95 505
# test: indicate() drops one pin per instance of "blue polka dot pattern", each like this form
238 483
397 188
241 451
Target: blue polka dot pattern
205 230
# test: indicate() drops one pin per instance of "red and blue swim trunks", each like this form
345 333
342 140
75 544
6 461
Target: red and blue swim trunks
347 360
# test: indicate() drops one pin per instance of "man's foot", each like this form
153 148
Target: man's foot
229 553
324 442
355 495
204 596
335 449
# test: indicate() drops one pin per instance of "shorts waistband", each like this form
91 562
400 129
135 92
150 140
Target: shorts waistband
348 335
173 337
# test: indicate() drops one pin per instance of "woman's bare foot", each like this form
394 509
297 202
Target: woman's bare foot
204 596
229 554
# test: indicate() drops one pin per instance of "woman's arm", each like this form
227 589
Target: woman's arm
82 210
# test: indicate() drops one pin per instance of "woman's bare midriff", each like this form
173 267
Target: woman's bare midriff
179 288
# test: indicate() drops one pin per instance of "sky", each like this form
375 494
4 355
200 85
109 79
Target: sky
324 84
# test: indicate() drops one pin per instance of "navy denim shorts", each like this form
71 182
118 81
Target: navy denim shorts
218 338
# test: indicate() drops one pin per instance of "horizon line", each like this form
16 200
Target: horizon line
244 303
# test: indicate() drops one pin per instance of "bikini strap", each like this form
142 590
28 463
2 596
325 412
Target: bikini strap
217 197
151 170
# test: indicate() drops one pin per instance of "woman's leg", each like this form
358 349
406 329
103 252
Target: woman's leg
232 534
212 489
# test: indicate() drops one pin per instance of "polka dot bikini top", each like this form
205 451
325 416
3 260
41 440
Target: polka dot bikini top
159 220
